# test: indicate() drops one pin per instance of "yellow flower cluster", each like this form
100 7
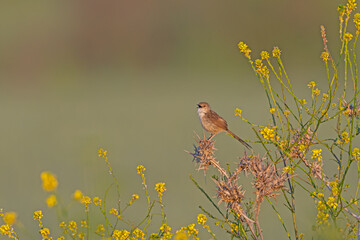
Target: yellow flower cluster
325 96
322 216
44 233
160 188
316 92
264 55
9 217
78 195
49 181
348 37
331 202
288 169
97 201
272 110
316 154
345 137
324 56
237 112
120 235
134 197
201 218
268 133
311 84
100 230
38 215
357 21
139 233
140 169
244 49
356 154
115 212
276 52
51 201
7 231
350 6
86 201
102 153
166 231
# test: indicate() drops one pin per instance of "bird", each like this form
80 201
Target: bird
213 123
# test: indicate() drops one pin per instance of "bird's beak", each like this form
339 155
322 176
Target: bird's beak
198 106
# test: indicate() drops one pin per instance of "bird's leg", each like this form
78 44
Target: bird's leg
211 136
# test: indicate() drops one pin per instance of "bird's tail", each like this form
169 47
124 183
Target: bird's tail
239 139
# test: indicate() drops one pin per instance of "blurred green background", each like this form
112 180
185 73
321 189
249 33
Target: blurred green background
126 76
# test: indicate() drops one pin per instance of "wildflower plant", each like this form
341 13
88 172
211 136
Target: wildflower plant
299 157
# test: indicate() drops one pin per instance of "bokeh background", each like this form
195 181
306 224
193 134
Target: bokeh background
126 76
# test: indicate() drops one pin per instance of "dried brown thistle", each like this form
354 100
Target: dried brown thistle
204 155
267 180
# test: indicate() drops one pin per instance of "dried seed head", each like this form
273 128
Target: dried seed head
267 180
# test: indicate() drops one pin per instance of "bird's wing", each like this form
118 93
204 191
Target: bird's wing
219 121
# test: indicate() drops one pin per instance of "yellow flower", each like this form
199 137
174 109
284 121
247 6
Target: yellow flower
160 188
238 112
73 226
49 181
115 212
120 235
303 102
286 112
138 233
258 63
316 153
272 110
86 201
140 169
201 218
348 37
102 153
356 154
357 21
264 55
165 228
345 137
244 49
134 197
350 6
38 215
276 52
316 92
51 200
268 133
331 203
44 232
264 71
6 230
62 225
325 96
83 223
288 169
78 195
192 230
311 84
61 238
324 56
180 235
81 236
10 218
100 230
97 201
334 187
320 195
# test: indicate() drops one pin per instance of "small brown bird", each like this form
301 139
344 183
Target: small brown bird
215 124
